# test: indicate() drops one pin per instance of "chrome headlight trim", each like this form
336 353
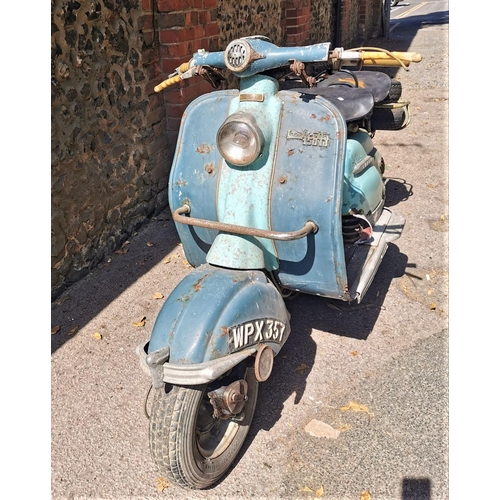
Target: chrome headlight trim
239 139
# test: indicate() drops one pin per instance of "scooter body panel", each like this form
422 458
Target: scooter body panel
216 312
307 185
195 170
309 170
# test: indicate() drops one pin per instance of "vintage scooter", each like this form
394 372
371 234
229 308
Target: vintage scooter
275 188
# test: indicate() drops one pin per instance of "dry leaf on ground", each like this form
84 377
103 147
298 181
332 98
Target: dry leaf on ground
302 368
318 493
161 484
365 495
55 329
97 335
157 295
73 330
142 322
356 407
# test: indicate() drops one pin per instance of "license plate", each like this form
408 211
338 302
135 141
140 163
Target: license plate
255 331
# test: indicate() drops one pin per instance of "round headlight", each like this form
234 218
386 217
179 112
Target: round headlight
239 139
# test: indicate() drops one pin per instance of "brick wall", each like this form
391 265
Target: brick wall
113 137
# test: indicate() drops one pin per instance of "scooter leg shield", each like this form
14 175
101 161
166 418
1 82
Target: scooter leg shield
214 319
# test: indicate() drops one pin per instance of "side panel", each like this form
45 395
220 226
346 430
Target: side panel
307 185
214 312
196 168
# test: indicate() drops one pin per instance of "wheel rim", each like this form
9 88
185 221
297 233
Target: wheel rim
213 435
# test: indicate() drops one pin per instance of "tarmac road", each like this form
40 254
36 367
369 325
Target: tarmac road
390 354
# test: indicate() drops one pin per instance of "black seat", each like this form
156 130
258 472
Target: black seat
353 103
376 82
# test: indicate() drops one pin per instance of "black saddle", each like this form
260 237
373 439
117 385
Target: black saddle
353 93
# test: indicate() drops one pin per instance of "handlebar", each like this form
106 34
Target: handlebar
252 55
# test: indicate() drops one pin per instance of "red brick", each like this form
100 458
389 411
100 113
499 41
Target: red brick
204 16
173 5
209 4
171 20
146 22
147 5
211 29
192 18
176 35
175 110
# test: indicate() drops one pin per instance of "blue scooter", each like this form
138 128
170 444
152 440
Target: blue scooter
275 188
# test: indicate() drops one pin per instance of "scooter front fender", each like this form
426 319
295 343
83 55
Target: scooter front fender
214 319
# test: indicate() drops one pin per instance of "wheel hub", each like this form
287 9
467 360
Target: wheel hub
229 400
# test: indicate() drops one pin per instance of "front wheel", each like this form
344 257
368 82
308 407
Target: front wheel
193 441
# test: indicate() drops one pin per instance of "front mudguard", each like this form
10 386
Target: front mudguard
214 319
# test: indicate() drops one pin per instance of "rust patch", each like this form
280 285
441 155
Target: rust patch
282 179
204 148
209 168
313 116
224 331
197 285
291 152
325 118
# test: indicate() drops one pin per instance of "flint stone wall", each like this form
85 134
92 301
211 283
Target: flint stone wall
108 167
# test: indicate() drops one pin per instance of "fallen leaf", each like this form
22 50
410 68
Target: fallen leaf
55 329
122 251
365 495
97 335
433 307
157 295
73 330
354 353
302 368
305 489
319 492
356 407
161 484
167 260
344 428
149 244
142 322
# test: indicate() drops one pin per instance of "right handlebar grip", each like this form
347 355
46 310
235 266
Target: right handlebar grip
166 83
384 59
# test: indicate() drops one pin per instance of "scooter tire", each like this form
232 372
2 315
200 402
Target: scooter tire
395 91
182 438
389 119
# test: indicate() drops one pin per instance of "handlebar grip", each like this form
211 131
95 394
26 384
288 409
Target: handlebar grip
166 83
183 67
384 59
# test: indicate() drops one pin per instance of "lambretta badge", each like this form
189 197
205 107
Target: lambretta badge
321 139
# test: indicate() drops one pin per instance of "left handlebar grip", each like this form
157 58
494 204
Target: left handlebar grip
166 83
